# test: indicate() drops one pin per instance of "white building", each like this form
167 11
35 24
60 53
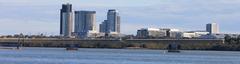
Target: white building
194 34
174 33
148 32
188 35
158 32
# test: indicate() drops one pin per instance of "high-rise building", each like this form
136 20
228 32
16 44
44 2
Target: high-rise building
66 20
212 28
112 24
103 27
113 19
118 24
85 23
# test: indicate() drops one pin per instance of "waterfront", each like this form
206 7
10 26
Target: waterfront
115 56
186 44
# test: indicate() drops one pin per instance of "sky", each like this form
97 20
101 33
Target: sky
43 16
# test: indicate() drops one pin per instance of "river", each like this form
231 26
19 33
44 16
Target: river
115 56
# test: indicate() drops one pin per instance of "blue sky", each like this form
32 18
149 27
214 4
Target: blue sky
42 16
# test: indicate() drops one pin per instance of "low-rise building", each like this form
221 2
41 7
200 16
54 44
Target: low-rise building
158 32
174 33
148 32
188 35
194 34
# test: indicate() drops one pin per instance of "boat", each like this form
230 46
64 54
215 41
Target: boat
72 47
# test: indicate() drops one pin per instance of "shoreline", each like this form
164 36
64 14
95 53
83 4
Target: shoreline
130 48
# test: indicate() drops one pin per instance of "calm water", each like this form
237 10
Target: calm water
115 56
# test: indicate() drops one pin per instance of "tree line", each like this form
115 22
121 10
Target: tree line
230 44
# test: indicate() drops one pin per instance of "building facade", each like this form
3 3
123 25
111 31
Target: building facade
66 20
212 28
194 34
151 32
85 24
158 33
175 33
112 24
103 27
113 20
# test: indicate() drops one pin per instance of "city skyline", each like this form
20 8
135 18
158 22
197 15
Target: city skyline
41 16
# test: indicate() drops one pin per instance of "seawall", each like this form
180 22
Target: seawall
186 44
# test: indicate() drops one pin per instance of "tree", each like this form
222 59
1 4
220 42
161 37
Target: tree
227 39
238 39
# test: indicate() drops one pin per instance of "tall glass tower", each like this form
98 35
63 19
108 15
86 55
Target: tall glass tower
85 23
112 24
66 20
113 19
